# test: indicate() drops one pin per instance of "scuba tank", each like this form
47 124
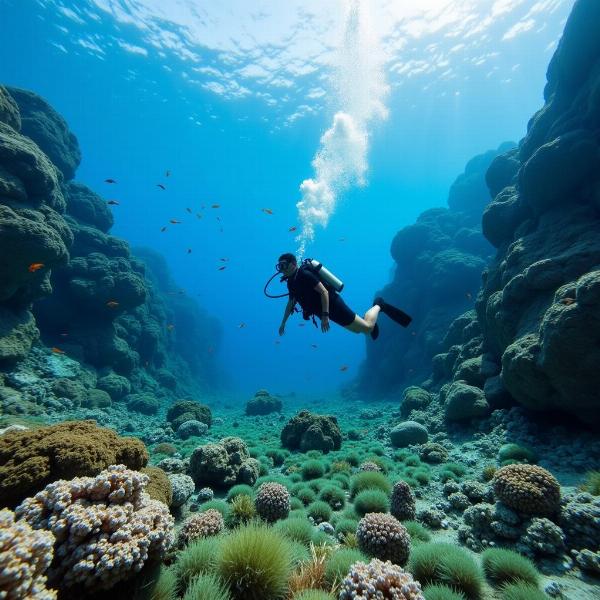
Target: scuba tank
325 275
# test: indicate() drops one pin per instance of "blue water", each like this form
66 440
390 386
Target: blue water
128 79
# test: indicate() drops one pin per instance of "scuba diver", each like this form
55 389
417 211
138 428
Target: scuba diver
317 291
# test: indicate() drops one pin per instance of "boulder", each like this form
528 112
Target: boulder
408 433
307 431
263 403
465 402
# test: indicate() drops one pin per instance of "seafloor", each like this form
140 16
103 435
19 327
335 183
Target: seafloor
463 462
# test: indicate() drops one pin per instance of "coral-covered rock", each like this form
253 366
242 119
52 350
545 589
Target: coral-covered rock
464 402
528 489
87 207
205 524
159 485
263 404
383 536
105 527
9 110
147 404
18 332
272 502
402 502
33 458
188 410
183 487
308 431
379 580
414 398
48 130
25 556
116 386
223 464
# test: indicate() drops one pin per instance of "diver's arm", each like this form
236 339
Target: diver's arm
286 314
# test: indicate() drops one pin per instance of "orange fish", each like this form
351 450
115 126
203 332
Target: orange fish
163 229
33 267
222 268
57 350
113 202
170 326
174 221
344 368
161 186
189 210
112 304
215 206
267 211
292 228
110 181
241 325
567 301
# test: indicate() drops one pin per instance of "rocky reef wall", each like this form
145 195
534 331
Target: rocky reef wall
534 337
68 284
438 265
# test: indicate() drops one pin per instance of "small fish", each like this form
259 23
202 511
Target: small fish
219 219
222 268
175 222
110 181
64 334
241 325
33 267
170 326
292 228
189 250
469 296
413 333
161 186
162 229
189 210
313 346
215 206
301 324
223 259
203 206
113 202
199 215
112 304
277 342
344 368
567 301
57 350
342 239
267 211
168 174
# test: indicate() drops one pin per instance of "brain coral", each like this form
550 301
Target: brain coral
106 527
32 458
379 580
528 489
272 502
25 556
384 537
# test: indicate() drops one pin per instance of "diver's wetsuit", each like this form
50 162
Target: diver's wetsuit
301 286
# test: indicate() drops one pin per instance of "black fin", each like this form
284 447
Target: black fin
375 332
396 315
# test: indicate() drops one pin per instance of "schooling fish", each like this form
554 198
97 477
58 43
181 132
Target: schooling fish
242 325
33 267
189 210
161 186
112 304
168 174
110 181
170 326
113 202
222 268
267 211
469 296
313 346
215 206
57 350
175 222
292 228
344 368
223 259
189 250
163 229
